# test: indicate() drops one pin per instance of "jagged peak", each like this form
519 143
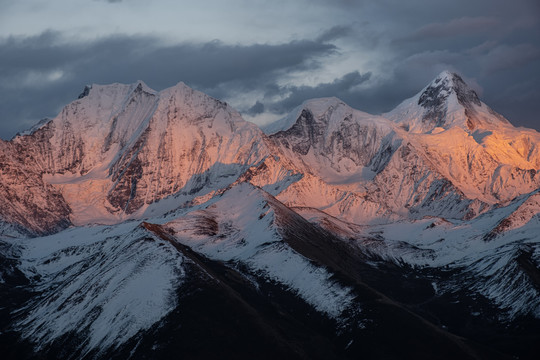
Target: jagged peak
183 90
181 85
443 86
446 74
446 102
316 108
140 85
85 91
195 99
115 88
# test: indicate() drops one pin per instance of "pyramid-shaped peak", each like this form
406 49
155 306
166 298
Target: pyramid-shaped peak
181 85
139 84
327 112
446 83
85 91
183 89
446 102
446 75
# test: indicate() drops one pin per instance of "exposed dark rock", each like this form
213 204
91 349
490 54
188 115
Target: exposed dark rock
433 99
85 92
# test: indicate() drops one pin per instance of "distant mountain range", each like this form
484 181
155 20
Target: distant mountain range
150 224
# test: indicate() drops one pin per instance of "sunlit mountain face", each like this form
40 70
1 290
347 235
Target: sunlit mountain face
150 224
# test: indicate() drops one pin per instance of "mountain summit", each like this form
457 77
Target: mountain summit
446 102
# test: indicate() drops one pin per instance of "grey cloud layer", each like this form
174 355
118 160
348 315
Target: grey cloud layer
342 88
454 27
28 70
399 46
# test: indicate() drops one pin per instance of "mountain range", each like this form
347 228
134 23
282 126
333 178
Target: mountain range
149 224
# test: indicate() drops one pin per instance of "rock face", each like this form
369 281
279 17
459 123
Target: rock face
445 103
28 202
191 143
119 148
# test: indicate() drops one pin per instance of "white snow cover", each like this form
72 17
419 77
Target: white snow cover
317 106
477 149
444 94
119 136
490 263
104 283
487 253
325 158
246 233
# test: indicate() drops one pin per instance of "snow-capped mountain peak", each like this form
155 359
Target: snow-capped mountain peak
444 85
329 137
446 102
316 107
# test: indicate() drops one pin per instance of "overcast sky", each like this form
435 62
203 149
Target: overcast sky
267 57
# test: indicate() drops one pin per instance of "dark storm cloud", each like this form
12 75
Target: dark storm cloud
256 109
454 27
494 44
342 88
40 74
334 33
510 56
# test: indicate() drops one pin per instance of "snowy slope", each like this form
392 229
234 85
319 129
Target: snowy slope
362 168
445 103
28 202
332 140
332 224
96 289
246 232
101 284
496 255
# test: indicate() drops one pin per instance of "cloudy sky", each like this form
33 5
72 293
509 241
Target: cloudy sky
267 57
